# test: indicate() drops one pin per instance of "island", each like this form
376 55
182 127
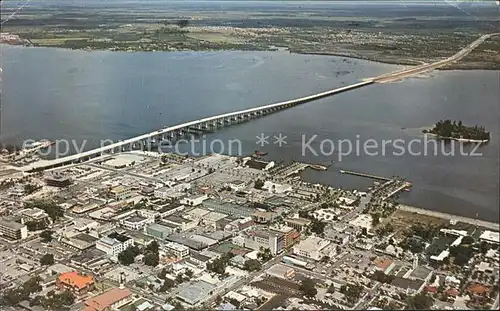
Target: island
448 129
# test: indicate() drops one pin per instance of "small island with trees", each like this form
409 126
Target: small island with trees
453 130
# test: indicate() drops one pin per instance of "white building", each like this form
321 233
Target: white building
120 193
83 224
178 250
33 214
114 244
237 185
490 237
136 222
311 247
150 214
194 200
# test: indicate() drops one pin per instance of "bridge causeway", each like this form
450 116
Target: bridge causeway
215 122
200 126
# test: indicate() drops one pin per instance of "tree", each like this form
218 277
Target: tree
252 265
152 247
127 257
318 227
467 240
189 273
331 289
258 184
36 225
264 255
420 302
352 292
29 188
375 219
47 260
179 279
46 236
219 265
167 285
151 259
308 288
382 277
52 209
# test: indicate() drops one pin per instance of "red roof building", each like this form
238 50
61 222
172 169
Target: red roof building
110 300
79 284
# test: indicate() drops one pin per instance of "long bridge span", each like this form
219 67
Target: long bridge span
222 120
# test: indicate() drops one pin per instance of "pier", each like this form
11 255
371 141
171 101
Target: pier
399 188
365 175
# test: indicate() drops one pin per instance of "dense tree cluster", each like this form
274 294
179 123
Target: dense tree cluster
36 225
47 260
308 288
383 231
51 208
352 292
420 302
151 254
318 227
258 184
414 245
128 255
264 254
462 254
46 236
219 265
382 277
455 129
13 296
425 232
252 265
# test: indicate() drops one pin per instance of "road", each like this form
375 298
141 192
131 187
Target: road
495 304
472 221
391 77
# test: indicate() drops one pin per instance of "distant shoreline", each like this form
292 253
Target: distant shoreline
457 66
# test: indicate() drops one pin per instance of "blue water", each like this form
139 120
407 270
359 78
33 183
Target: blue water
62 94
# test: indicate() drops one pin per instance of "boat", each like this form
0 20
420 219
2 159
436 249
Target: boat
318 167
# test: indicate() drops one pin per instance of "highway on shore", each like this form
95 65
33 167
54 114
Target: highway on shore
252 112
475 222
391 77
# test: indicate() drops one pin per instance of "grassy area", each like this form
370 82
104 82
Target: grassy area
402 221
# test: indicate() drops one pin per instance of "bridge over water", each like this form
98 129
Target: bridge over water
218 121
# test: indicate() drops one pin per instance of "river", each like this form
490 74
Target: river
90 96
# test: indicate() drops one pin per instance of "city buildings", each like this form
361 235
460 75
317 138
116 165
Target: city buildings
58 180
136 222
120 193
79 284
261 239
13 230
113 299
114 243
312 247
177 250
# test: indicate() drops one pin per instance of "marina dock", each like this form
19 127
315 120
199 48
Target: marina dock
365 175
